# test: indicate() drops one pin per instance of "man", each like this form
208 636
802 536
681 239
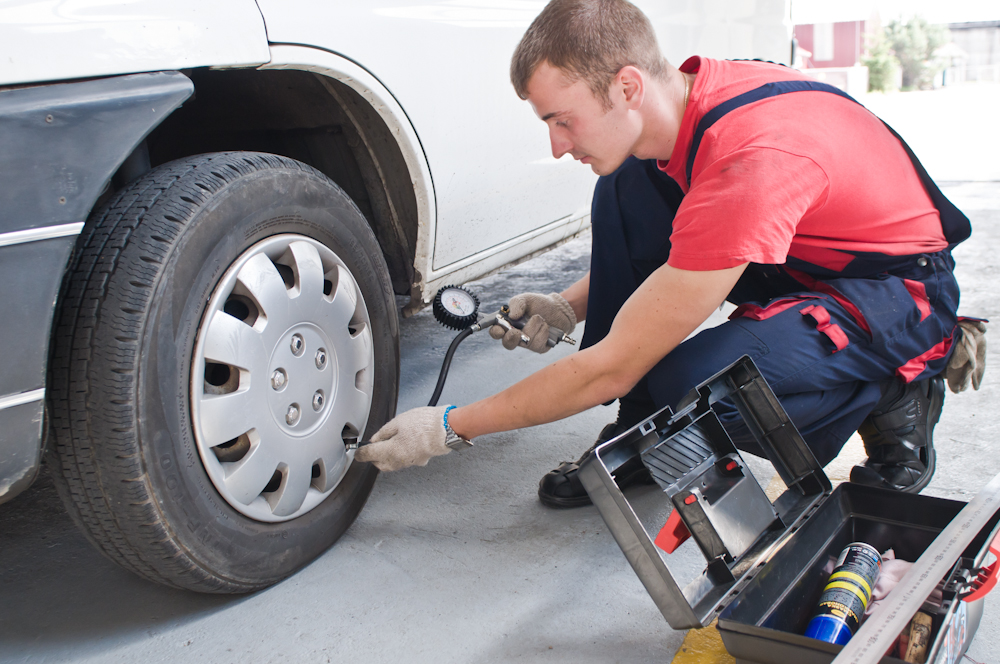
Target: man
724 180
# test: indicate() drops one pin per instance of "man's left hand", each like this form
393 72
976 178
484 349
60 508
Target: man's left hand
410 439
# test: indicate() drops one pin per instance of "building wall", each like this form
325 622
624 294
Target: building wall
845 50
980 40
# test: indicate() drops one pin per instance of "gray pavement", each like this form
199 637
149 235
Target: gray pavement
455 562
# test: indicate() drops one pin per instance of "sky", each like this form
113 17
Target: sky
936 11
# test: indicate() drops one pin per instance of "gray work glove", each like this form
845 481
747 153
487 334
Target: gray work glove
410 439
543 312
968 361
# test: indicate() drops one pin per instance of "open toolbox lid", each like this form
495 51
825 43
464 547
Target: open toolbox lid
716 499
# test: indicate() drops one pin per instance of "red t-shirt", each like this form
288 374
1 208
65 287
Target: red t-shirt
803 174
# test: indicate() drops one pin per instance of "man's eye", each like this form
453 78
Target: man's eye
562 123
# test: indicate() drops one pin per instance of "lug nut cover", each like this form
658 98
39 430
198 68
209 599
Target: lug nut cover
278 379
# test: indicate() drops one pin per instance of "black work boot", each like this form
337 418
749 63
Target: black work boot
562 488
898 436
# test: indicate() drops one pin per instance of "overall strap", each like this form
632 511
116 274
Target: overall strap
954 223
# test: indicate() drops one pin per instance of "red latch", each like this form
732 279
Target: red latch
673 533
987 578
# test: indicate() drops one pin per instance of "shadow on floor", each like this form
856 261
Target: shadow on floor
56 587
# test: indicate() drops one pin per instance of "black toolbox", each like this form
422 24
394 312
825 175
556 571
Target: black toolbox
767 563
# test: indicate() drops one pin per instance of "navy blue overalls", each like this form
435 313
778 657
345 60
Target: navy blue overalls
823 338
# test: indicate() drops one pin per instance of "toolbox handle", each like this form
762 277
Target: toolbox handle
673 533
987 577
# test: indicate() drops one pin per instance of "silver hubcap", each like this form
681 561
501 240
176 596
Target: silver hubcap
282 378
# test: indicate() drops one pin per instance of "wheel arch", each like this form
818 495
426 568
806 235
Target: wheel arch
328 112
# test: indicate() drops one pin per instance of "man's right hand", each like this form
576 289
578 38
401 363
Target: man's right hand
409 439
542 312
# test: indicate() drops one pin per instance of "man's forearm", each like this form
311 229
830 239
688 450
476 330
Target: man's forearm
577 295
667 307
565 387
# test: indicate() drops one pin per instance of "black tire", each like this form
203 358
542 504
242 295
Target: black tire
125 457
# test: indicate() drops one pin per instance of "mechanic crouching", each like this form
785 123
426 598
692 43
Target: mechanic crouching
739 181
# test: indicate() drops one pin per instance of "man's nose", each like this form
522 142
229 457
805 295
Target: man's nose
560 144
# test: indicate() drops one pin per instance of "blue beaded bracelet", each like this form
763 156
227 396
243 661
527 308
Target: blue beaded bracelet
446 411
452 439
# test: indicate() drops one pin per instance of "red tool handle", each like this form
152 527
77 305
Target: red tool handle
987 578
674 532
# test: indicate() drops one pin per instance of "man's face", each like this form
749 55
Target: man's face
578 122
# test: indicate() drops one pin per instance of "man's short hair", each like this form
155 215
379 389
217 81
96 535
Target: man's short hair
591 40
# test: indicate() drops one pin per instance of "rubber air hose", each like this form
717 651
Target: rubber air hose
467 332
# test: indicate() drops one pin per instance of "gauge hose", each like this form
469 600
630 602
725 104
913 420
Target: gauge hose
464 334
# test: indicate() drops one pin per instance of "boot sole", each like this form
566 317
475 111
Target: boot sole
563 503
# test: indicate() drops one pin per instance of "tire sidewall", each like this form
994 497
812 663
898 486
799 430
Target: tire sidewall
255 206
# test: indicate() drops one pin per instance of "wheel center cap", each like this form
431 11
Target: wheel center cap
302 377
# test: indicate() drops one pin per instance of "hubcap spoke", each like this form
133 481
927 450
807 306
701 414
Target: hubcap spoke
250 475
351 406
345 301
359 351
261 278
336 464
231 341
310 268
227 416
290 496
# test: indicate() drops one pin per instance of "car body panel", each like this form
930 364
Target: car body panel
20 452
61 144
59 147
57 40
447 65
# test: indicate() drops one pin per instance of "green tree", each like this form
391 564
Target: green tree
914 43
881 63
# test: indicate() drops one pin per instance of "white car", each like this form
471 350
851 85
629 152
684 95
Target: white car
209 210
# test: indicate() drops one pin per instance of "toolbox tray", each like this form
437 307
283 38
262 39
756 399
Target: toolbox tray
767 563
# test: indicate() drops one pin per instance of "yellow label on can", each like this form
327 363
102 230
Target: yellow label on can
850 587
857 578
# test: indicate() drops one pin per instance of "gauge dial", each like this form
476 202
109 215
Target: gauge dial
458 301
456 307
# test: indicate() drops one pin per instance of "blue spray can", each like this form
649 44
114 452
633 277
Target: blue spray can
846 595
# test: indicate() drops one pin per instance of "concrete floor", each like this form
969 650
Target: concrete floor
454 562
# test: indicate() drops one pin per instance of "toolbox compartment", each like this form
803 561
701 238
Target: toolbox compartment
767 563
764 623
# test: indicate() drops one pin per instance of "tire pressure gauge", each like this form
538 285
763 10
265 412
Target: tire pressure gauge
455 307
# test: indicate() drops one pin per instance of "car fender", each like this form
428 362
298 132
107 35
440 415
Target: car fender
358 78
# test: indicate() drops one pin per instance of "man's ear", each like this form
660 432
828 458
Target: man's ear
631 85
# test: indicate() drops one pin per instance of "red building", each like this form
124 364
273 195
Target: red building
832 44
